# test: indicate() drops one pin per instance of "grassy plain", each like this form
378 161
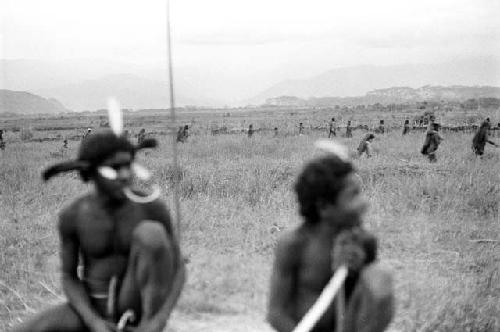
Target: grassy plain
235 193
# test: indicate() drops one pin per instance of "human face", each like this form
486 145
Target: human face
347 211
120 162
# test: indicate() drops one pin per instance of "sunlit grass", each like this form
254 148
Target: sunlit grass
236 192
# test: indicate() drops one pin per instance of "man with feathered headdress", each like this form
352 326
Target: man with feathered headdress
131 269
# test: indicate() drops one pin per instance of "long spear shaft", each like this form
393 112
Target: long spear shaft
176 200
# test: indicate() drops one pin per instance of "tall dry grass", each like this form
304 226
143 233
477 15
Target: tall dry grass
236 192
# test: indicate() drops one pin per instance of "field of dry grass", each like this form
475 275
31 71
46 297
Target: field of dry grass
234 191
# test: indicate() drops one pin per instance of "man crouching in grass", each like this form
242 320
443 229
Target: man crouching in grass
332 206
130 256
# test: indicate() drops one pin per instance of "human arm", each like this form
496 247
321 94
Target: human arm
492 143
72 285
158 212
283 279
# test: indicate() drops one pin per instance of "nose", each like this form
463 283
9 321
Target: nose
124 174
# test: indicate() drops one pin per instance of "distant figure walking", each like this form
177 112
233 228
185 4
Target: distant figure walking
348 130
365 145
65 143
332 129
431 143
301 129
275 131
87 133
250 131
180 135
481 138
381 127
406 127
2 143
141 136
185 133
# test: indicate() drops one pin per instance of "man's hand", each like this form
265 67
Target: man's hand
349 251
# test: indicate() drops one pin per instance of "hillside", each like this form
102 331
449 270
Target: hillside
357 81
21 102
395 95
132 92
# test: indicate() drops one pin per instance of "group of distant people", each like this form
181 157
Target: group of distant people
433 139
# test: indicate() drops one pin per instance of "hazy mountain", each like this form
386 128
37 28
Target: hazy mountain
21 102
395 95
455 93
356 81
131 91
85 84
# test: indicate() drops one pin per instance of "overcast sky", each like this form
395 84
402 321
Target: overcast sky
285 38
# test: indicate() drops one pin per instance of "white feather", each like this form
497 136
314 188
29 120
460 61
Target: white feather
115 116
333 147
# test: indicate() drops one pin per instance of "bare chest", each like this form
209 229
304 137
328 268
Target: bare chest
315 268
108 232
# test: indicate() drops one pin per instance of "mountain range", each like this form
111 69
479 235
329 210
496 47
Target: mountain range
85 84
356 81
396 95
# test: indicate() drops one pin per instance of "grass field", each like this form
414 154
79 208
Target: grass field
235 190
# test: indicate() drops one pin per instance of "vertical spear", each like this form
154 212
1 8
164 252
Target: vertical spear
177 208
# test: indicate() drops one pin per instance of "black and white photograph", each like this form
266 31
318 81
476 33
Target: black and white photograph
250 166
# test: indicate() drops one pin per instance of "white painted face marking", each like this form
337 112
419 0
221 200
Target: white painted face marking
107 172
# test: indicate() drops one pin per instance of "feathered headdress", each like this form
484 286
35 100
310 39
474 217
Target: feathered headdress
95 148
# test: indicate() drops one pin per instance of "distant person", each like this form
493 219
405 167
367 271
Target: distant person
65 143
2 142
365 145
250 131
406 127
348 130
431 143
301 129
185 133
332 129
87 133
381 127
141 136
180 135
498 129
481 138
275 131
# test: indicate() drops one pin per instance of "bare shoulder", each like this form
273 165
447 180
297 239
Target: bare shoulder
68 217
290 246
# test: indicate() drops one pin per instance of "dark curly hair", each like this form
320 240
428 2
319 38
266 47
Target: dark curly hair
321 179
